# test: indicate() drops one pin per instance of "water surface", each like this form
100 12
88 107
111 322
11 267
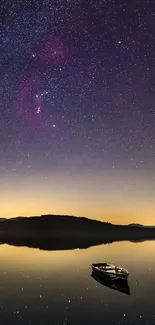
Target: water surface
55 287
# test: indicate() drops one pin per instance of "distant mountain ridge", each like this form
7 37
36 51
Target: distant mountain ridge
138 225
81 218
61 224
135 225
68 217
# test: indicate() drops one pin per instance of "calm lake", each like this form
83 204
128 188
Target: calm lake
56 287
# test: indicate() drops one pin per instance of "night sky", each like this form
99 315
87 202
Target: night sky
77 109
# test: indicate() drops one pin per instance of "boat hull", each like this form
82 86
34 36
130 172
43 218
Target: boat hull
104 270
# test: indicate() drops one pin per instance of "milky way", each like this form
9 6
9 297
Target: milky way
77 85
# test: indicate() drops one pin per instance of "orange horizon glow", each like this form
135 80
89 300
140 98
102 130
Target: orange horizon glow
119 198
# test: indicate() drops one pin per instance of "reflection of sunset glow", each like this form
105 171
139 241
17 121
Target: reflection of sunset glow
17 258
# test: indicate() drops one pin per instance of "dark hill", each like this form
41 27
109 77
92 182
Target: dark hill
52 226
68 227
52 232
135 225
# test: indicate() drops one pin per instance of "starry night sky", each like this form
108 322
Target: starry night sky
77 105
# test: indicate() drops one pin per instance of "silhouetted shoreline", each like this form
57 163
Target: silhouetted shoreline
52 232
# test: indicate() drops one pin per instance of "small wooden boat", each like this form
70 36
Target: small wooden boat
109 270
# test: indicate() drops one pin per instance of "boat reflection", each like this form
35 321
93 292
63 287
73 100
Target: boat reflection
115 284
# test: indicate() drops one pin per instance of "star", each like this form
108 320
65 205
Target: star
38 110
78 100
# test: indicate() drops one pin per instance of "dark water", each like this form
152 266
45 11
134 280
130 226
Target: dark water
56 287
